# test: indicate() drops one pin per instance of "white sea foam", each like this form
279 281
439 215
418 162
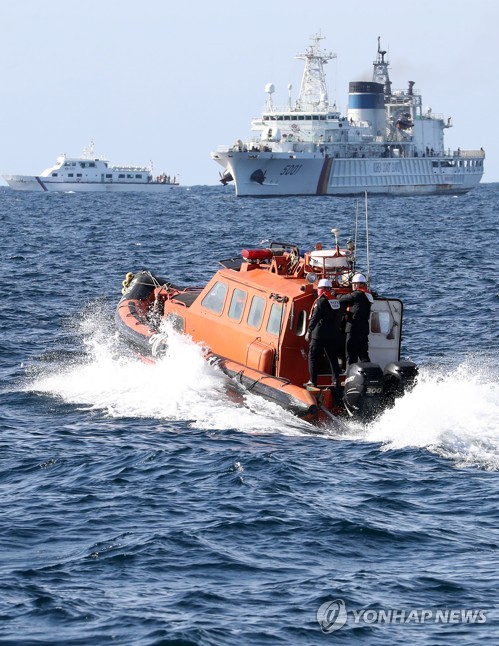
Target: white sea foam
180 386
453 413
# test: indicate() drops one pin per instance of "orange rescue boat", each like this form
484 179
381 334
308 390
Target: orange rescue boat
252 317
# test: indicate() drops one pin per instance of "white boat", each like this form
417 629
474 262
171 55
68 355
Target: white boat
386 143
91 173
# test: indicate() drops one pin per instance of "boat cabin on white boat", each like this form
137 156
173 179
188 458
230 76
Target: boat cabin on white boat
68 169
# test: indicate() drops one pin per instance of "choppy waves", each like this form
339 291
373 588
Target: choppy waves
154 504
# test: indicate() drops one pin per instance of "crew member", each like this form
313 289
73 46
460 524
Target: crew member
359 303
324 332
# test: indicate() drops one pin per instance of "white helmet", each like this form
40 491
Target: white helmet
325 283
359 278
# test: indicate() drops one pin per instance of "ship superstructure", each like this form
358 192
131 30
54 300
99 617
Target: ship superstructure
385 143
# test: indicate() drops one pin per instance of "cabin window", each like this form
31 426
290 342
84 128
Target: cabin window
138 176
91 164
237 304
130 176
121 176
109 176
301 323
70 174
215 298
54 174
275 319
255 314
78 174
380 322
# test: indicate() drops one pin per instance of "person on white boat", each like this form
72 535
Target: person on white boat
359 303
324 332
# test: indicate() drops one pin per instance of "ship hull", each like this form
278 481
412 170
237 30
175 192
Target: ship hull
313 174
42 184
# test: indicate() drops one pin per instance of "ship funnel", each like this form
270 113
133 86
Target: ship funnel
411 85
366 103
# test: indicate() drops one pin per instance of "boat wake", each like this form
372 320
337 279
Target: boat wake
453 413
179 387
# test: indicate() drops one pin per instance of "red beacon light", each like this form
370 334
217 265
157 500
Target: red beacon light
256 255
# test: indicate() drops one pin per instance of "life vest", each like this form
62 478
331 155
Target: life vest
363 288
331 298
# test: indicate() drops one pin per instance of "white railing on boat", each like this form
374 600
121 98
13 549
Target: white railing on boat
469 153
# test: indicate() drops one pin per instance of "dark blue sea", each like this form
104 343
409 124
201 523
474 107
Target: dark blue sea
144 505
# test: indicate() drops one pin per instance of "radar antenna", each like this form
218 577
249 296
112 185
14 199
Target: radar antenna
380 68
313 91
88 153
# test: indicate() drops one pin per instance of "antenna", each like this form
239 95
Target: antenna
336 233
270 89
367 244
356 221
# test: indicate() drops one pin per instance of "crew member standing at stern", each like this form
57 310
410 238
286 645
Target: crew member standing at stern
357 319
324 332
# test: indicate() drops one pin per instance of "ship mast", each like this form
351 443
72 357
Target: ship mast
313 91
380 70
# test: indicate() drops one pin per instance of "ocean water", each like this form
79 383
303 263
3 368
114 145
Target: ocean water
160 505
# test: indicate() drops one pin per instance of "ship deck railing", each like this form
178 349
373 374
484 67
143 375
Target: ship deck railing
436 116
130 169
371 149
469 153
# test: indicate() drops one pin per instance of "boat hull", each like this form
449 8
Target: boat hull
298 401
134 326
314 174
44 185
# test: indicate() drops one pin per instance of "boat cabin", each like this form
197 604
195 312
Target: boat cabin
68 169
255 310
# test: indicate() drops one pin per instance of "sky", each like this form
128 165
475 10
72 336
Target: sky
169 82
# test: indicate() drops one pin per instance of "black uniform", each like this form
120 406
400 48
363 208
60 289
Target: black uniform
357 324
324 329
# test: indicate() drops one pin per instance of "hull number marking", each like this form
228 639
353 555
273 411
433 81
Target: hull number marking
291 169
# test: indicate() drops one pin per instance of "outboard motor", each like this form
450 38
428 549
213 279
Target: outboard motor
399 378
363 395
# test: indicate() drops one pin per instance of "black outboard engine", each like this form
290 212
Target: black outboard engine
363 396
399 378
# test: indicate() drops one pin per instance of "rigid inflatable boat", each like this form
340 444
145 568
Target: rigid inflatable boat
252 317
